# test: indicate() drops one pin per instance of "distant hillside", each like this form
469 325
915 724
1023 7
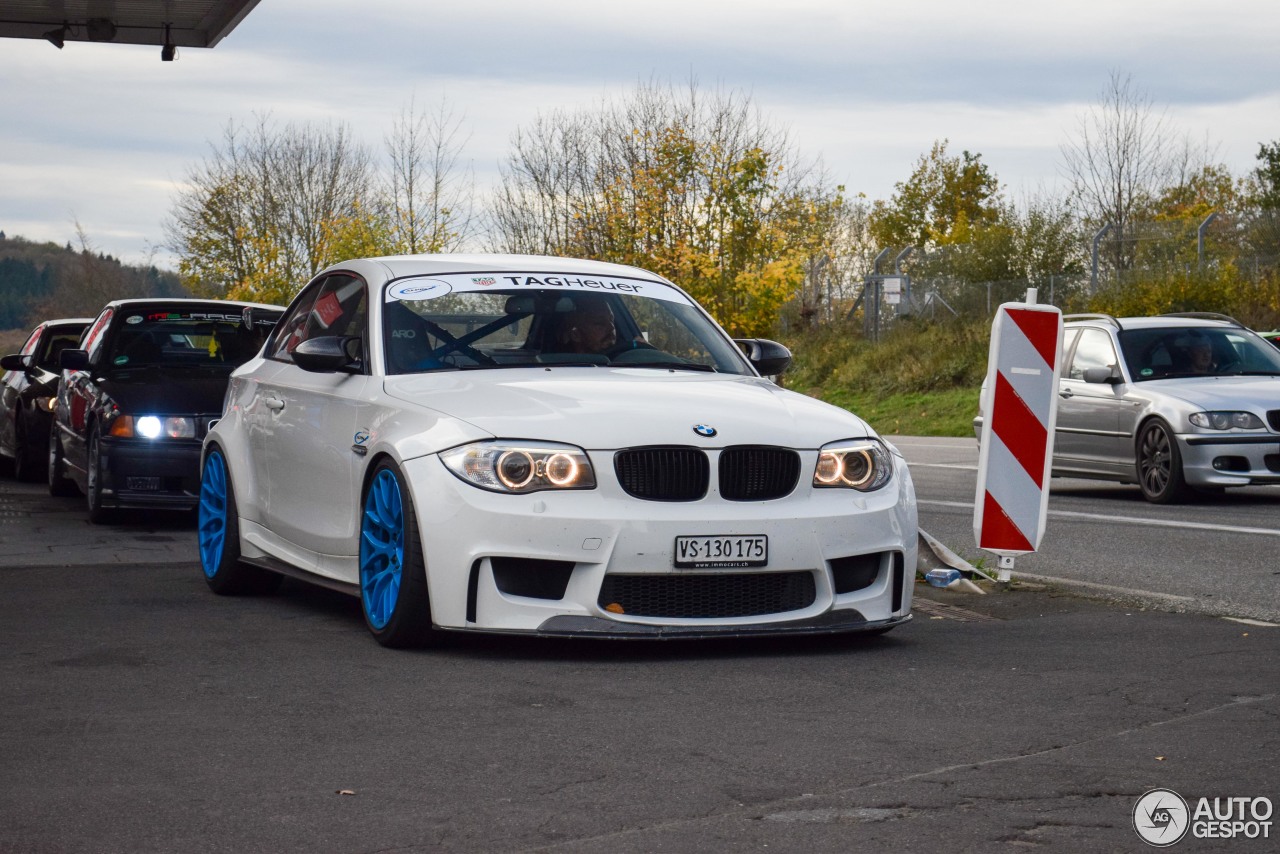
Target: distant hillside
39 281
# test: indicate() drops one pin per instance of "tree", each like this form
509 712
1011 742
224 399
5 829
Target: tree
1261 194
700 190
1119 163
428 196
257 218
943 202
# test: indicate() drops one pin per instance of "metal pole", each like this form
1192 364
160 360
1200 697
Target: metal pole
1200 238
1093 280
897 262
879 258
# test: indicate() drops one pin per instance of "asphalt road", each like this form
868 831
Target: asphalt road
138 712
1215 555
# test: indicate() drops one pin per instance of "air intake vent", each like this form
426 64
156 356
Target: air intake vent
663 473
1273 418
758 473
708 596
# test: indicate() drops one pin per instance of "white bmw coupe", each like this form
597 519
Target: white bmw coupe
547 446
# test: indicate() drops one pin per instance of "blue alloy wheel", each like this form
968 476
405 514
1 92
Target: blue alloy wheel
212 526
218 535
382 549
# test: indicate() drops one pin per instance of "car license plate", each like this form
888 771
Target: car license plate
722 551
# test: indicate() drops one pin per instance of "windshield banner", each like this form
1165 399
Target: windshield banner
433 287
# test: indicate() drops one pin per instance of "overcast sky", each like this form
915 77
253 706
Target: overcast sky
100 134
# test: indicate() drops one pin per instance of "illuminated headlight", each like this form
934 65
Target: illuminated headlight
521 467
153 427
861 464
1227 420
46 404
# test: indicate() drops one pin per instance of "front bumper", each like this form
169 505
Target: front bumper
476 546
139 473
1230 459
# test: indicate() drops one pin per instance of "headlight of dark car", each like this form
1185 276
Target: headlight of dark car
153 427
521 467
861 464
1226 420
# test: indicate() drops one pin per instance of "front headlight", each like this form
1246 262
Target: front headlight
153 427
521 467
861 464
46 404
1227 420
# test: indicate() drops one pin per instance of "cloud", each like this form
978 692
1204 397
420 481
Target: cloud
107 130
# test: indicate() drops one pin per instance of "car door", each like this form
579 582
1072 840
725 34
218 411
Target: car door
1089 437
12 385
310 420
77 393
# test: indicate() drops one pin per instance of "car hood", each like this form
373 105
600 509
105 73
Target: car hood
1221 393
608 408
166 395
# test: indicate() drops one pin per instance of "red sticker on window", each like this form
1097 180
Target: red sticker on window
328 309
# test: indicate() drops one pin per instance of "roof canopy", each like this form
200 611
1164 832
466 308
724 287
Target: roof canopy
181 23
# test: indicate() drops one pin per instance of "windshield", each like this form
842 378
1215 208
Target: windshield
1153 354
177 339
501 320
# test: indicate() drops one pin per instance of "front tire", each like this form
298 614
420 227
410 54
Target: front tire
218 535
27 458
1160 465
393 579
60 486
98 514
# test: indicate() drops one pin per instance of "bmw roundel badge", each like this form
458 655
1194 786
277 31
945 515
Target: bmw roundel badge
704 430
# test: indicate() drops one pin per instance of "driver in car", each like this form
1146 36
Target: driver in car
1200 355
589 327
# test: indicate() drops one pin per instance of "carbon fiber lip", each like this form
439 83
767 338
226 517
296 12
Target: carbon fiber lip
833 622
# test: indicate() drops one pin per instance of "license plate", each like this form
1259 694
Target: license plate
722 551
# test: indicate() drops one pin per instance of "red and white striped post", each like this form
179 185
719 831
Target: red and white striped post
1020 403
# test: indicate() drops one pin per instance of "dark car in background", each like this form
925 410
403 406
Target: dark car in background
136 398
28 391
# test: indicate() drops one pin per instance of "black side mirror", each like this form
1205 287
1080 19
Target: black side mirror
16 362
328 354
73 360
769 358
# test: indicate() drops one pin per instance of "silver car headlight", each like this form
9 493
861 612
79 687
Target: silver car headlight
1226 420
521 467
861 464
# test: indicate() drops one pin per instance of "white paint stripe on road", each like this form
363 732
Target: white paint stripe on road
941 466
1128 520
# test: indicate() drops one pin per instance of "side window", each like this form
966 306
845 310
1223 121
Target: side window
337 306
54 344
30 347
1093 351
93 340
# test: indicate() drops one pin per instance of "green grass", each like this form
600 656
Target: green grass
923 379
937 413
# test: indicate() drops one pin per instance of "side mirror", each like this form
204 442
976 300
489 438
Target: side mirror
1109 375
327 354
16 362
73 360
769 358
